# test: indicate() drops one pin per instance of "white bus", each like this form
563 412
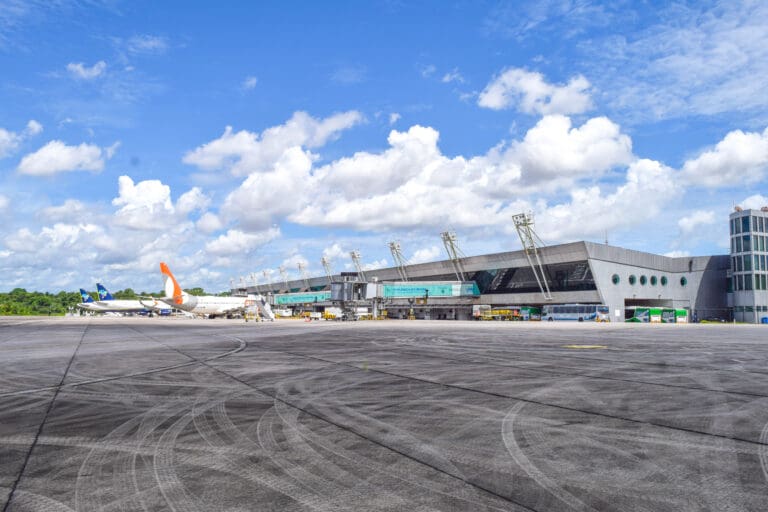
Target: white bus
577 312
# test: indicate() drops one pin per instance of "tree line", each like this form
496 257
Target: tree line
21 302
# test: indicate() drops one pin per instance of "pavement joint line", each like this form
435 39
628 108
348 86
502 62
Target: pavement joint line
344 427
42 423
370 439
537 402
500 364
646 363
128 375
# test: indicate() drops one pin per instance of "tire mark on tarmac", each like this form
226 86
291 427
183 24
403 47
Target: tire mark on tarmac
496 362
531 401
241 346
173 491
297 433
349 429
42 423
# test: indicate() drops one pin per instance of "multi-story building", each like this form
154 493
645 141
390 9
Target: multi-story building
749 268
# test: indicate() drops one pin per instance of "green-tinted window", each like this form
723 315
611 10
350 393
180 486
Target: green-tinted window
745 224
632 279
738 244
747 243
663 280
683 281
615 279
643 280
653 280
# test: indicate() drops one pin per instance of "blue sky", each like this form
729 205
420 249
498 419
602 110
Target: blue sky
231 139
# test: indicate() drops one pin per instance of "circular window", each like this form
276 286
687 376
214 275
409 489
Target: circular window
632 279
683 281
615 279
663 280
653 280
643 280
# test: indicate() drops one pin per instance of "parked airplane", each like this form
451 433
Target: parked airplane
210 305
108 304
88 303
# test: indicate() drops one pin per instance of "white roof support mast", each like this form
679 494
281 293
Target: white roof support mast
303 272
397 256
327 267
284 275
451 244
356 260
524 226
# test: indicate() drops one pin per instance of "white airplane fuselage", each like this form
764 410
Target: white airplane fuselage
123 306
209 305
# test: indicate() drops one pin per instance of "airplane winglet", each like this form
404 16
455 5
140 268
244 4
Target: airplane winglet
172 288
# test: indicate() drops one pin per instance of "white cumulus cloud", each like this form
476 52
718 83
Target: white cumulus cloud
10 141
209 222
425 255
33 128
530 93
335 252
754 202
70 211
239 242
696 220
143 205
192 200
245 152
413 185
82 72
57 157
264 196
740 158
649 186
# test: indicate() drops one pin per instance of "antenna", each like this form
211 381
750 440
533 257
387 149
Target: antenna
451 244
397 255
524 226
356 260
327 266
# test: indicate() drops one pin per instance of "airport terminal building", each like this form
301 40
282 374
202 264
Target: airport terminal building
576 273
720 287
748 293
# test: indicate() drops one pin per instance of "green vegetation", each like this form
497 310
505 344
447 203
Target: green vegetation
21 302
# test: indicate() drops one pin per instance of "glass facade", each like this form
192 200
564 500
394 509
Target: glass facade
749 269
561 277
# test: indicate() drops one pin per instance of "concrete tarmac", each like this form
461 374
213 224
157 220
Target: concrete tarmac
123 414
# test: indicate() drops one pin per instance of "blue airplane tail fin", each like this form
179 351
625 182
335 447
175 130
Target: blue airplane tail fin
103 292
86 296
